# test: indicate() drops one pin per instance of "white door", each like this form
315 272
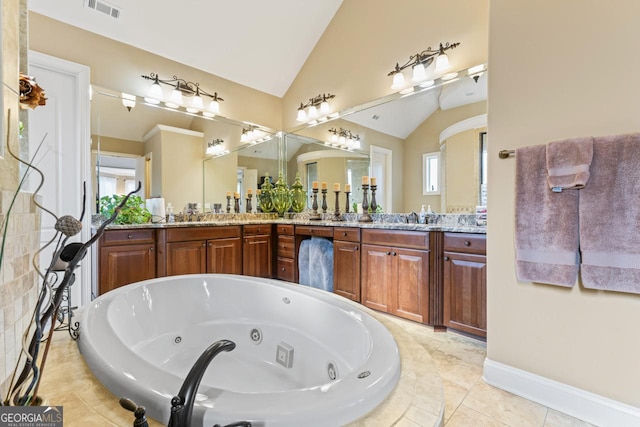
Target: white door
64 157
381 168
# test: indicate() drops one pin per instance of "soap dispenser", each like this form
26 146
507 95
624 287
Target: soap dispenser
170 216
422 218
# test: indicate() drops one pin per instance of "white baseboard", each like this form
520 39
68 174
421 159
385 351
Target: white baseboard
573 401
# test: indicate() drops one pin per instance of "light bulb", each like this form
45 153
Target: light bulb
128 100
419 73
356 143
197 103
176 97
302 116
324 107
155 92
244 137
442 63
214 107
398 81
342 140
313 112
334 137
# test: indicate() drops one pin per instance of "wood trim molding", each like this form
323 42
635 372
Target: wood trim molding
470 123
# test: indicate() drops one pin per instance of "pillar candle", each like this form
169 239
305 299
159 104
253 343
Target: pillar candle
323 185
236 195
373 181
314 184
250 191
228 193
365 180
336 186
347 188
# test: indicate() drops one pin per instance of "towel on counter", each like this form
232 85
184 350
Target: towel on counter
303 262
610 216
568 163
546 223
321 264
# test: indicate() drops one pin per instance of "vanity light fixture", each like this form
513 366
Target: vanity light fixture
344 138
253 135
419 63
476 72
128 100
215 147
317 107
182 89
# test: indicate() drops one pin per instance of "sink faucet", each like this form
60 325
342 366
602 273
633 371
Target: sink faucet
182 404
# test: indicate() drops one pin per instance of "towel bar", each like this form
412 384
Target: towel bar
505 154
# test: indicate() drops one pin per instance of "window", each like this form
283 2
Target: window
312 175
483 169
431 173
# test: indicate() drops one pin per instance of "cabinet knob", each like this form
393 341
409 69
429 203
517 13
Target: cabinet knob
446 258
393 253
467 243
284 269
204 244
210 244
357 248
150 249
258 231
129 236
344 233
388 253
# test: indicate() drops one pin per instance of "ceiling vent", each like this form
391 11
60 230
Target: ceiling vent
104 7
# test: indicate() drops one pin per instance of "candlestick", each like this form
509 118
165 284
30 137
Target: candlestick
315 215
374 204
228 202
346 208
249 207
236 204
324 199
365 204
336 212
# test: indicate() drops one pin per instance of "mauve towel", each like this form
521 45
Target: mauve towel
610 216
546 223
568 163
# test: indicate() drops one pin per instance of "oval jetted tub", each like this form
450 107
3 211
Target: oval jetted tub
302 357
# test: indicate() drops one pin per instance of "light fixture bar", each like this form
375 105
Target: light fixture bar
316 107
419 62
344 138
181 88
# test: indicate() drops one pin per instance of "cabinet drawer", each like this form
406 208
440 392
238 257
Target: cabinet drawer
285 229
257 229
286 269
286 245
465 242
407 239
202 233
307 230
131 236
346 234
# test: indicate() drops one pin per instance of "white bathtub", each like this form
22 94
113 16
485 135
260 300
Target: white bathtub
141 340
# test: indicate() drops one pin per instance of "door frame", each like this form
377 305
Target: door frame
385 155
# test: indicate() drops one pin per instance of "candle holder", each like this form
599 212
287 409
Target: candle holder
336 212
346 208
315 215
258 208
374 204
228 204
365 205
236 204
324 200
249 207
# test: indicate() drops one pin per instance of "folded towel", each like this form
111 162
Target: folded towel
321 264
568 163
546 223
610 216
303 262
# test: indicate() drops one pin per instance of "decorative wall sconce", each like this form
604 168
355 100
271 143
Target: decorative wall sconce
128 100
476 72
182 89
215 148
317 107
420 62
343 138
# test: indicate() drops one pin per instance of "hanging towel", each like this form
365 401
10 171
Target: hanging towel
546 223
321 264
303 262
568 163
610 216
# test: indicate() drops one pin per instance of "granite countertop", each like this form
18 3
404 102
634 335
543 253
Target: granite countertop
459 223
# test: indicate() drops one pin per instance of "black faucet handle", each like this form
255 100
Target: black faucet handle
138 411
237 424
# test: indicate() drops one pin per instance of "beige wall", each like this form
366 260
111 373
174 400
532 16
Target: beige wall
539 92
118 66
426 139
462 160
220 177
366 38
115 145
18 280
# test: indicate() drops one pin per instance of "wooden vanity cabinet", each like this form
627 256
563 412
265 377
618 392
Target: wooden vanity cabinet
286 268
256 250
465 283
346 262
195 250
395 272
124 257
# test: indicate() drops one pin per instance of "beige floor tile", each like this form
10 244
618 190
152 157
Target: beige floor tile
558 419
467 417
504 406
421 417
453 397
452 368
473 353
405 422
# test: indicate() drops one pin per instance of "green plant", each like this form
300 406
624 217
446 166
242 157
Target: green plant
133 212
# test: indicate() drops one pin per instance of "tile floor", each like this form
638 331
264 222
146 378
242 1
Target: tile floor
469 401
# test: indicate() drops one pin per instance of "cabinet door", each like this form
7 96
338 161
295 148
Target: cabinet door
346 269
224 256
411 296
256 256
378 277
465 292
186 257
121 265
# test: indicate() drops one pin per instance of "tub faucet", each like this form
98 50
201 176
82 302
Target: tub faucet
182 404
